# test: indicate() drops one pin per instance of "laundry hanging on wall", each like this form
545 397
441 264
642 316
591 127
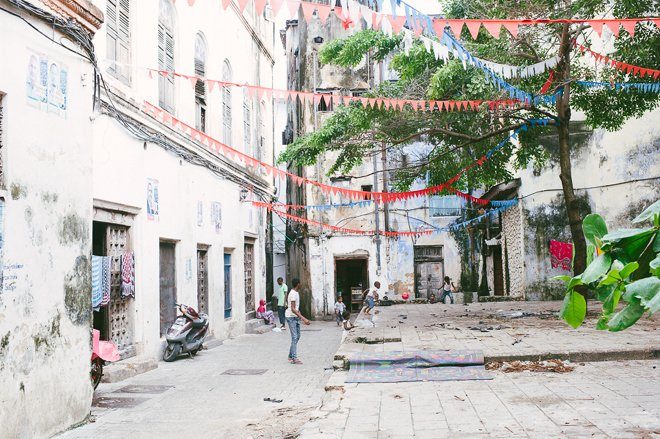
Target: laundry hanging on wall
128 275
561 255
100 281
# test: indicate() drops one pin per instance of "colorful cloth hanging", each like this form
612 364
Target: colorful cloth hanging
105 279
97 288
561 255
128 275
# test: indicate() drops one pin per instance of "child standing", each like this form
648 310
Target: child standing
447 289
340 307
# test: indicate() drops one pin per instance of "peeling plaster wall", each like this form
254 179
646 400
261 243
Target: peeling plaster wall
514 265
604 158
45 300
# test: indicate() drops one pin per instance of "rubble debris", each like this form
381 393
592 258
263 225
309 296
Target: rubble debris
554 365
277 401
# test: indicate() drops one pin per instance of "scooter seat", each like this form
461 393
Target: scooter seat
200 322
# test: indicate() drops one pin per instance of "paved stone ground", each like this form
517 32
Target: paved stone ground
500 330
604 399
192 398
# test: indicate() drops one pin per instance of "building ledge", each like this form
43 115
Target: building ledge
82 11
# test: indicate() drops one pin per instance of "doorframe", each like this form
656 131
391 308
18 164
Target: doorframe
173 242
350 257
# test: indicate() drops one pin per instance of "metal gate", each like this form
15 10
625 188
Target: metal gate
249 278
120 315
202 280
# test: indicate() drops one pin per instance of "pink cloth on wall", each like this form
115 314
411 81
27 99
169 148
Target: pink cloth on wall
561 255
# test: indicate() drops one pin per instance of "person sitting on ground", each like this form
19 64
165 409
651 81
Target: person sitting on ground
447 290
262 313
432 298
346 320
340 307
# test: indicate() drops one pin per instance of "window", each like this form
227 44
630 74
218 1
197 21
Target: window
450 205
261 140
200 86
366 188
226 104
247 123
166 55
118 36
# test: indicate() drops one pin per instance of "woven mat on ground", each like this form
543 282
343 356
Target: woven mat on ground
396 367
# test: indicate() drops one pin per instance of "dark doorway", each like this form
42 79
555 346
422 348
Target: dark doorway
429 270
202 279
352 278
167 285
498 273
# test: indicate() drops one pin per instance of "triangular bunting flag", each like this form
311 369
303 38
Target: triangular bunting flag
397 23
225 3
597 26
324 12
493 27
473 27
308 10
629 26
260 5
293 5
275 6
512 27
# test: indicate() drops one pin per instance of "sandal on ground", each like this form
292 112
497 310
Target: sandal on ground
296 361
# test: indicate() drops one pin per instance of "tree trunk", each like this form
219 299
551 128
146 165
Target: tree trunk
564 115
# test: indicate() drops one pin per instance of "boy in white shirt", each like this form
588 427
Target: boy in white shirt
340 306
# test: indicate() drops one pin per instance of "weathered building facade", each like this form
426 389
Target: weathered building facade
182 211
615 175
46 104
331 264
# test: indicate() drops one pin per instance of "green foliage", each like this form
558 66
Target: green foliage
349 52
626 268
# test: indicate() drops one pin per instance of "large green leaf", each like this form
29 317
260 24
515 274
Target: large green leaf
648 213
604 291
573 309
620 234
628 269
593 226
591 251
655 265
597 268
644 289
634 246
610 304
627 316
652 305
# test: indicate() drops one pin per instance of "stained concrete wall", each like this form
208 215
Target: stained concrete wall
45 300
605 158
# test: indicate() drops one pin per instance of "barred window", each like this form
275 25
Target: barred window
449 205
247 123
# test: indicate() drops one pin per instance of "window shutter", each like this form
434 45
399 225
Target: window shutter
200 87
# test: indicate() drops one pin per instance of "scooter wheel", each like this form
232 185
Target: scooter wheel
97 372
172 351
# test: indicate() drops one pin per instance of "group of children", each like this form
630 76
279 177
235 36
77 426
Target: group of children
369 299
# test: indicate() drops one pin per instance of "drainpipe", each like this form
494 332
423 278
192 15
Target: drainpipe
377 217
325 290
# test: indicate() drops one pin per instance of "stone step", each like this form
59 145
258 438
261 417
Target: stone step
257 326
127 368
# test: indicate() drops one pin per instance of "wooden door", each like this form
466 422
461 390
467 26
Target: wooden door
249 278
428 278
120 316
227 285
498 272
167 286
202 281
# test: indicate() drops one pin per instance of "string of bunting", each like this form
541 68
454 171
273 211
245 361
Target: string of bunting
351 12
328 98
648 87
389 234
382 197
621 66
360 204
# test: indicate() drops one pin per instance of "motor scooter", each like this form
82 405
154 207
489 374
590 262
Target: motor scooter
102 352
187 333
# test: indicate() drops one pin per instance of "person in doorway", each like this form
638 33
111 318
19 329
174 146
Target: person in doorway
281 291
340 307
293 318
263 313
447 289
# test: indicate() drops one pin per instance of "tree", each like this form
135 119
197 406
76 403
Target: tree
459 138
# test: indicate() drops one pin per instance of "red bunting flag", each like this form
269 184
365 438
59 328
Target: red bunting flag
260 6
493 27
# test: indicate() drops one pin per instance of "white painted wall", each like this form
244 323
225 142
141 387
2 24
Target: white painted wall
45 299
